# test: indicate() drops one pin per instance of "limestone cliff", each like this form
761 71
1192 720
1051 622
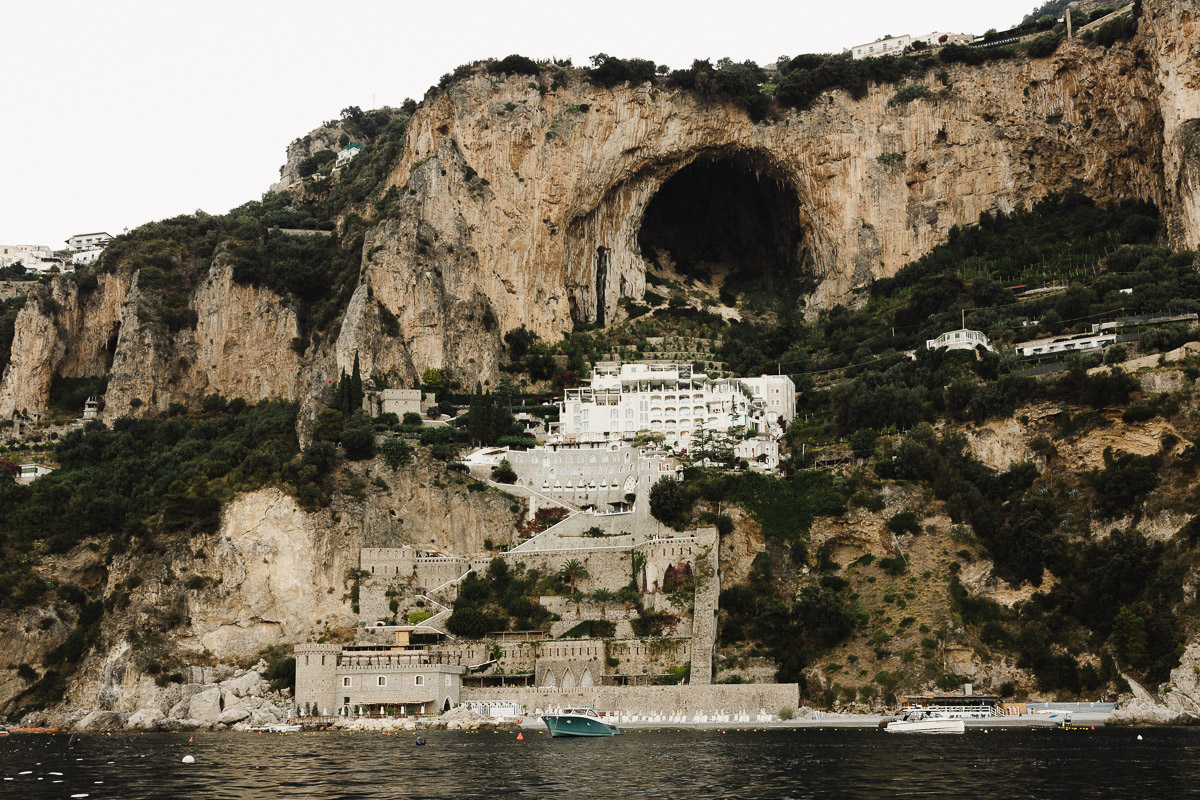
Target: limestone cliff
517 202
271 574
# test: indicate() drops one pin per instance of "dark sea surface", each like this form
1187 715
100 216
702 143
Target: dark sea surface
829 763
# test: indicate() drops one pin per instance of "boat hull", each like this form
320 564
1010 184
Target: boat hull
576 725
926 726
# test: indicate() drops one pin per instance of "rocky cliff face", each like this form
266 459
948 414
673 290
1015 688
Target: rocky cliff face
1172 29
521 204
272 574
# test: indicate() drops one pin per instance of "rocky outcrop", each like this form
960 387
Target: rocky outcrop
1172 28
516 203
517 196
279 576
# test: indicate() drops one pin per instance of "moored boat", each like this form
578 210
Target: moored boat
924 721
579 722
31 730
283 728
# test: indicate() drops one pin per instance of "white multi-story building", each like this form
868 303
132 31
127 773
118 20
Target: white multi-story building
28 255
674 401
894 45
88 241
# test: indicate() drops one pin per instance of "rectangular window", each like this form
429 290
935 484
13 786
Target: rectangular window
418 680
346 681
381 680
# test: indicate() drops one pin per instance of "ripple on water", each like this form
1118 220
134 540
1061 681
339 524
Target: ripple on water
655 765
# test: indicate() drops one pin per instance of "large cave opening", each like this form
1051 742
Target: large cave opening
730 221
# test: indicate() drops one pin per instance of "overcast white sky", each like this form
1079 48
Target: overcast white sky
120 112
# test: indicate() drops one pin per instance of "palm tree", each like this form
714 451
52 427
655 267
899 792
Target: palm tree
578 597
572 571
602 596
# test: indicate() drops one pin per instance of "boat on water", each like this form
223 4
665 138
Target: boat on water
579 722
283 728
30 730
922 720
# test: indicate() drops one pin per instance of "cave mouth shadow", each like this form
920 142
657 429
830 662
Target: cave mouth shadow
727 214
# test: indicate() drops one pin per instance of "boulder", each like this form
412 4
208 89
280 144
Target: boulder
103 721
145 719
232 715
248 684
205 706
1142 712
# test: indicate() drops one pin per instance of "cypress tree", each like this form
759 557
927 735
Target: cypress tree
355 391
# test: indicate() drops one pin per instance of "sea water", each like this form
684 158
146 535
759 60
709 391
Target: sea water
724 762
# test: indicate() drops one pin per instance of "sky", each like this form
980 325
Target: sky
127 111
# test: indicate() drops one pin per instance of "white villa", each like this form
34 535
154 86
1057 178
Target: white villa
673 400
1065 344
894 45
961 339
28 255
347 154
88 241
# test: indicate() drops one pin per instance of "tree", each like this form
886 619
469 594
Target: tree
504 473
602 596
572 571
328 427
411 418
433 380
355 391
667 503
396 452
1129 638
359 443
519 341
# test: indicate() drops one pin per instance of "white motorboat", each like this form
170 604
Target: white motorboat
925 721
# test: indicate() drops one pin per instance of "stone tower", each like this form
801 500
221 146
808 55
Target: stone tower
316 676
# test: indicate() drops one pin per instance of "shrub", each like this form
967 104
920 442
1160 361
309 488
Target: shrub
504 473
908 93
396 452
904 522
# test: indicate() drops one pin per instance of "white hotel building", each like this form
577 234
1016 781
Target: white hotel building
673 400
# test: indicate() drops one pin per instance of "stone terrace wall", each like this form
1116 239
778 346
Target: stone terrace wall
664 701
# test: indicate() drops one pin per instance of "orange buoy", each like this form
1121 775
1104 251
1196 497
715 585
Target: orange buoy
520 736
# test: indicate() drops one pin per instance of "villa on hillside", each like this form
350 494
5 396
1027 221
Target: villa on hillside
347 154
961 339
88 241
895 45
673 400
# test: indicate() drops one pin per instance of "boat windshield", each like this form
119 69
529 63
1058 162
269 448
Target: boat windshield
586 712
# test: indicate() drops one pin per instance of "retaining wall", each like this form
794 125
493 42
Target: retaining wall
651 701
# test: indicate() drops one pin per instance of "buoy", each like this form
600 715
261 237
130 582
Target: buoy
189 740
520 737
420 740
1139 737
189 759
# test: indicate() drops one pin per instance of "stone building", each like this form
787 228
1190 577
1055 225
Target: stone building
407 677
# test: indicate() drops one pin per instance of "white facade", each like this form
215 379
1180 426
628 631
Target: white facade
28 255
84 257
894 45
961 339
347 153
672 400
1065 344
88 241
31 472
596 473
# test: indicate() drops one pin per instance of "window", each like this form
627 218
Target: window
346 681
381 680
418 680
449 681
